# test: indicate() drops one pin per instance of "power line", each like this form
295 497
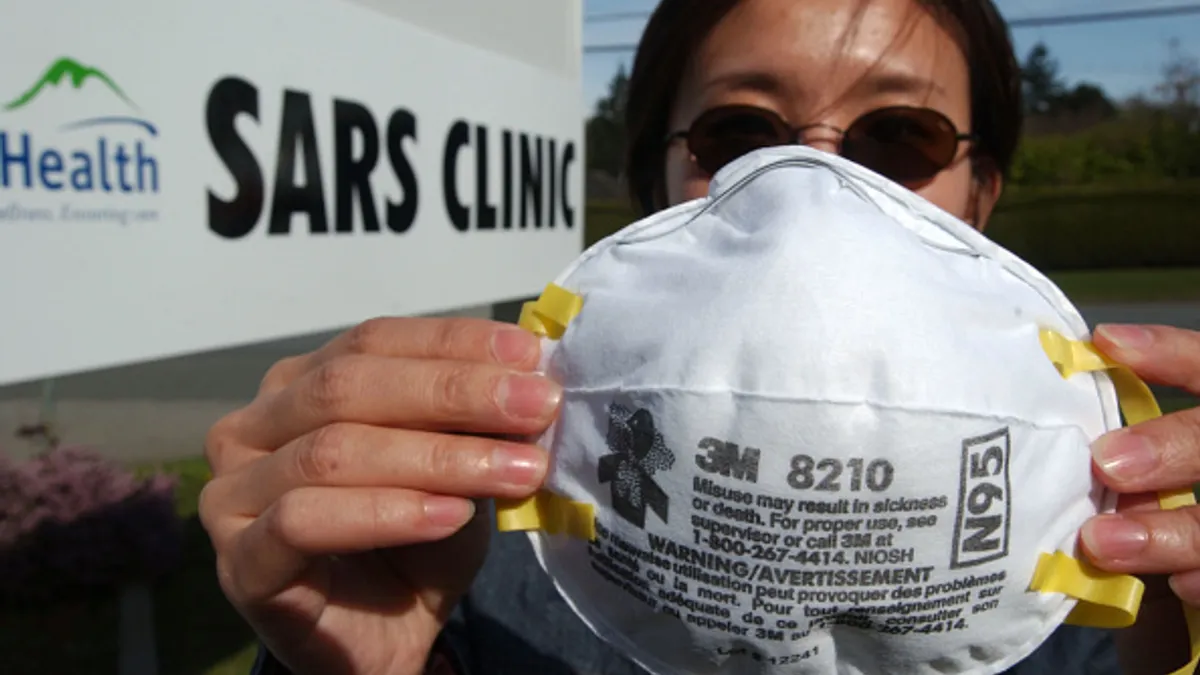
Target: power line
1026 22
609 49
615 16
1105 17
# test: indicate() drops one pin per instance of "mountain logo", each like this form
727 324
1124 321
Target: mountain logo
103 147
69 71
64 68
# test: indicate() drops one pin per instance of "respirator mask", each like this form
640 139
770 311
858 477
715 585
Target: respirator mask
813 424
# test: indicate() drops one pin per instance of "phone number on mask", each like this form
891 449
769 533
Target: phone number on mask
767 553
741 549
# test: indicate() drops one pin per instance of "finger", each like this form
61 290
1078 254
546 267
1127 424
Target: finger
465 339
409 393
222 449
473 340
1186 585
1159 454
355 455
273 550
1160 354
282 373
1144 542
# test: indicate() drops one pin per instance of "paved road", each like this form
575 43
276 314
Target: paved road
163 409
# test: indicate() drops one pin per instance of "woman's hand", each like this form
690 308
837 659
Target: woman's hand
1138 462
341 504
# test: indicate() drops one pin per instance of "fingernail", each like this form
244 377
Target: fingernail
1186 585
1114 537
1126 338
1125 455
512 346
519 466
448 512
530 397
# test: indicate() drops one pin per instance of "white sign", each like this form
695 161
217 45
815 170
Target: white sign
177 177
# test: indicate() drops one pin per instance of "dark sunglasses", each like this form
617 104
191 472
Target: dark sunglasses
907 145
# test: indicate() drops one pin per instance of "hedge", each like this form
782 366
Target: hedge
1148 225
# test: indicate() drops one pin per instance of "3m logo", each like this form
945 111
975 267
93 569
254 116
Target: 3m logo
984 501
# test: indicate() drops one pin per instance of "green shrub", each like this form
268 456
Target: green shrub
1140 226
605 218
1140 146
1137 224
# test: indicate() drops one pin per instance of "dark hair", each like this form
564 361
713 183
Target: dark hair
678 27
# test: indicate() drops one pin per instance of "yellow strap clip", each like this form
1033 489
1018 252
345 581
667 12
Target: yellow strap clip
549 513
1105 598
548 317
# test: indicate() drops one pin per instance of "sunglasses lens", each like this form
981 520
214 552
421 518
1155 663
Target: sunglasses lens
723 134
906 145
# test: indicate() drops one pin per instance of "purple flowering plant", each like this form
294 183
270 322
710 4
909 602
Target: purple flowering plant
73 523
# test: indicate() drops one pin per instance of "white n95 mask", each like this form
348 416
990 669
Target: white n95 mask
813 424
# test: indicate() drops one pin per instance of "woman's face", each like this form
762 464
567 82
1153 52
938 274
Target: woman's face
828 62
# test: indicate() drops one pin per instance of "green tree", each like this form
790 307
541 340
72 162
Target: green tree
1043 88
606 127
1053 105
1085 97
1180 86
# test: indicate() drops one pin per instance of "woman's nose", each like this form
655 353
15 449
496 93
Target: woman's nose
820 137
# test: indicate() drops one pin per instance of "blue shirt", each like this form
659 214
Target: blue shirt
513 622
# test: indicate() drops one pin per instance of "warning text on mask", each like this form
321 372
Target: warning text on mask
837 547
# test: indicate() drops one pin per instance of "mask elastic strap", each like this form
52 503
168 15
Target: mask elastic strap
548 317
1107 600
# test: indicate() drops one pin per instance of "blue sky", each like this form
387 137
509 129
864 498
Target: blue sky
1124 58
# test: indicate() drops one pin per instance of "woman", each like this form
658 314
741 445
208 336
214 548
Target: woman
342 505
